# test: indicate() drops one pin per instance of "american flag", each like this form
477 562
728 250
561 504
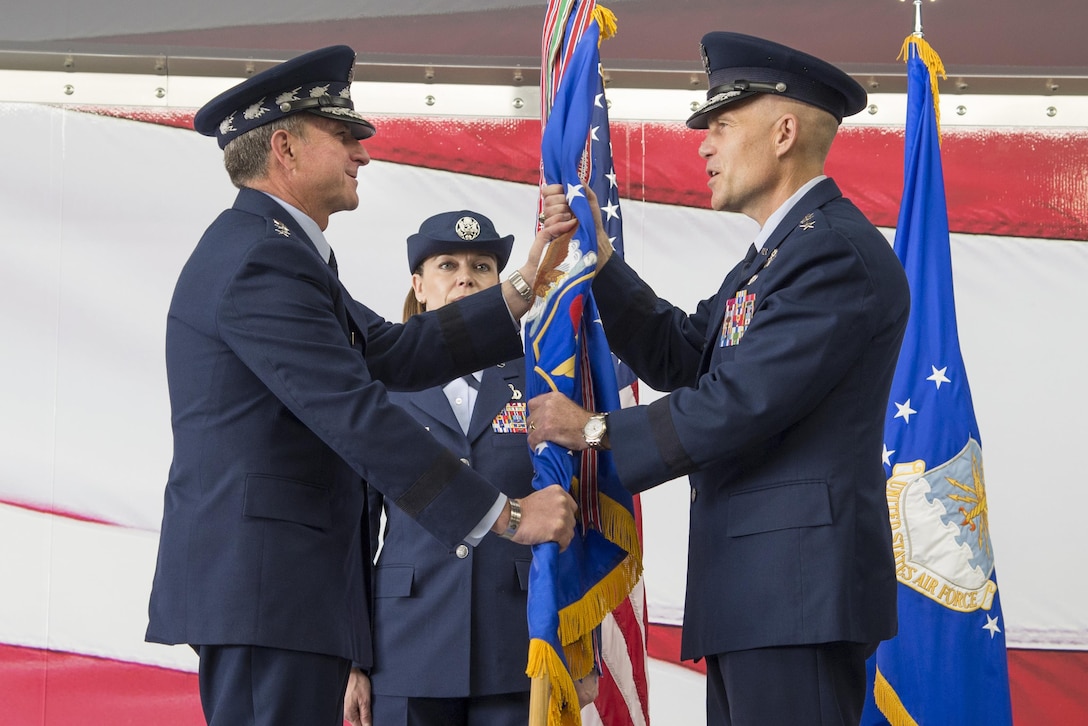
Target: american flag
623 695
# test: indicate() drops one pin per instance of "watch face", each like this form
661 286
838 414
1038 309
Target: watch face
594 429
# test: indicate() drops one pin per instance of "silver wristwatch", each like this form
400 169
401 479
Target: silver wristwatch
521 287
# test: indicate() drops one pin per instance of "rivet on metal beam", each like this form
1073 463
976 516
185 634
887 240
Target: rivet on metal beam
518 103
873 84
1051 111
518 75
695 105
428 73
961 110
695 81
429 100
250 69
69 63
1052 86
69 89
873 109
962 85
160 64
160 92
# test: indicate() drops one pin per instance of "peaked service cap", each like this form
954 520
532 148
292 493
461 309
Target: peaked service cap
318 82
739 66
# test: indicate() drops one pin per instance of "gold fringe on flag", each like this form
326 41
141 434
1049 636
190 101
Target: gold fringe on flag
606 21
579 618
887 700
618 525
579 655
545 667
933 63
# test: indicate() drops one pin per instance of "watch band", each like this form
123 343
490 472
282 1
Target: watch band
521 287
515 519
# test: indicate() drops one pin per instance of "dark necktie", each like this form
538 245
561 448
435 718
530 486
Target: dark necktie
471 381
332 263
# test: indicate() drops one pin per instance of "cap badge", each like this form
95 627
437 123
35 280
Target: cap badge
467 228
226 126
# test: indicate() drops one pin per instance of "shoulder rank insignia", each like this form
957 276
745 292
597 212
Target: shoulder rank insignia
281 228
809 221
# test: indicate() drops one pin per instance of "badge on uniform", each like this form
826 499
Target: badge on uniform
738 316
513 419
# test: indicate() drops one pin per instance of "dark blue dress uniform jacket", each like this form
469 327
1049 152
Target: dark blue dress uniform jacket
279 414
448 626
781 433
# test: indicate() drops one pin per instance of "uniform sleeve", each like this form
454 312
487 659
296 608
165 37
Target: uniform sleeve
815 314
283 315
662 344
434 347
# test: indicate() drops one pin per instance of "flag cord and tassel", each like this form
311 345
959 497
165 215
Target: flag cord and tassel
933 63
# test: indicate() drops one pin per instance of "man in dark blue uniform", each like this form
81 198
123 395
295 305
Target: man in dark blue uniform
482 633
779 386
277 382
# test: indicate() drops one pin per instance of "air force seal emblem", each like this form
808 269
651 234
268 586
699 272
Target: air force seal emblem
940 531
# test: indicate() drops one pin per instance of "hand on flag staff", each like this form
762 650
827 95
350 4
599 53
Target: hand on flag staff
553 416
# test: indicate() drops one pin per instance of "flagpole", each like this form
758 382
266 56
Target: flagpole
540 695
918 17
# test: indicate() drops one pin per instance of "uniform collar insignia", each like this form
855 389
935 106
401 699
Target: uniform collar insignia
281 228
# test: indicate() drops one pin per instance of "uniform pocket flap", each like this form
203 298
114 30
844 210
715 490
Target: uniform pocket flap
291 500
393 581
783 506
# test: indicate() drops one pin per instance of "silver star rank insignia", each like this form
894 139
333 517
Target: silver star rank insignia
809 221
281 228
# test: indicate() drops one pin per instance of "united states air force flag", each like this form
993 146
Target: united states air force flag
947 664
570 593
